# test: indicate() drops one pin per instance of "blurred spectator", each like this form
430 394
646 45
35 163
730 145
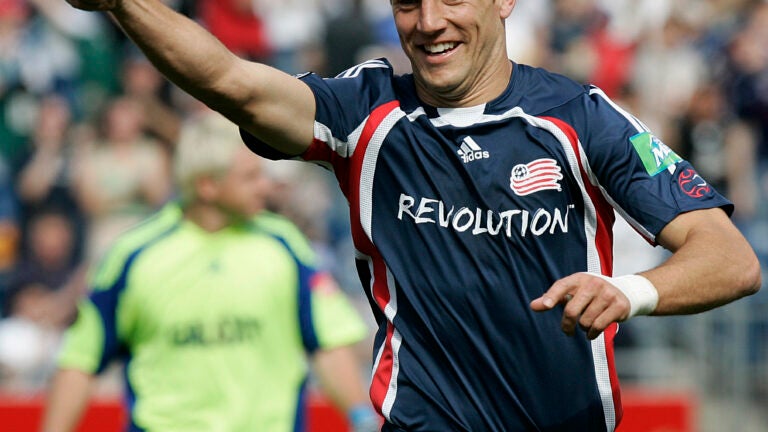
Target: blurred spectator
345 37
718 145
667 71
572 21
302 195
45 179
43 292
292 27
13 97
123 178
386 41
236 25
146 85
702 134
746 86
49 267
34 59
527 32
9 230
90 36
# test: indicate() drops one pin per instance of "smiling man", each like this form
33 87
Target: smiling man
482 195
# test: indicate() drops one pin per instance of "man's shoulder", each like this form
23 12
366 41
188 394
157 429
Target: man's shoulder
284 230
130 243
542 90
374 76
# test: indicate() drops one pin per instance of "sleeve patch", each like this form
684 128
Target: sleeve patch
656 156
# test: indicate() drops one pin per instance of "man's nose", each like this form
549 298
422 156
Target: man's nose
431 16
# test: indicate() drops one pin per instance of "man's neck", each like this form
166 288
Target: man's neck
207 217
487 87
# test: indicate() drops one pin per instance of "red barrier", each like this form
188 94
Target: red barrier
19 414
644 411
647 410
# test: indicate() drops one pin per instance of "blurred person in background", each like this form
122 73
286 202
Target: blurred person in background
667 70
214 311
9 226
745 81
45 179
466 181
720 145
238 25
123 178
43 290
39 55
144 84
292 28
347 34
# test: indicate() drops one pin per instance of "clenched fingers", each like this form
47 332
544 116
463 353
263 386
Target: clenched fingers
591 302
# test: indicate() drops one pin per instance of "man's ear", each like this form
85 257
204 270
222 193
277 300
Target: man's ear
505 8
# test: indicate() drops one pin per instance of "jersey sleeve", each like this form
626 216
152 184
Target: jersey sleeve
327 319
93 340
98 335
335 320
646 182
343 105
83 344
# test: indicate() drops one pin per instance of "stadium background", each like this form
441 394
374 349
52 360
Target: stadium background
77 102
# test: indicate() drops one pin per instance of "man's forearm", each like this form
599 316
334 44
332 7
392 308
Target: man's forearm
339 375
68 396
712 265
183 51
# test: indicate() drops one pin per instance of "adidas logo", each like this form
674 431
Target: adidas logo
470 151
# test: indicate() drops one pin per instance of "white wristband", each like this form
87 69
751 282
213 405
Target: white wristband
643 296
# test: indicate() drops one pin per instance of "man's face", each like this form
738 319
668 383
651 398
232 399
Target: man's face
242 190
456 47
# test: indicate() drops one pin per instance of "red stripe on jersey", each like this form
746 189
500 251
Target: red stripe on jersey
320 151
380 291
604 244
382 376
605 217
378 115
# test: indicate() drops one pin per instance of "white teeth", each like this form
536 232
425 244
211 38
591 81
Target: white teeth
438 48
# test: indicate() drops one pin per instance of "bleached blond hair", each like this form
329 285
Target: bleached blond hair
206 147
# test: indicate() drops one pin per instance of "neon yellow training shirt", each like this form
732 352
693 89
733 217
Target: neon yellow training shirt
214 327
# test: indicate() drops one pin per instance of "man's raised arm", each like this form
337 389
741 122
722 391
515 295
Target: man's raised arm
268 103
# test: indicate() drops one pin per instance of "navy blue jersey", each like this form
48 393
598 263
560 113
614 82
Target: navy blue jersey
461 217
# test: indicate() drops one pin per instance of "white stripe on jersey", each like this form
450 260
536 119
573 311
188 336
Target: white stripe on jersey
369 167
390 311
599 356
602 372
397 340
356 70
630 220
418 112
639 126
342 148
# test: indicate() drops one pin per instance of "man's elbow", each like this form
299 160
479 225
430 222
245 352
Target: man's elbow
750 278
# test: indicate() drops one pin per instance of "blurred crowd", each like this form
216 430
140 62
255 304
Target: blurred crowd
88 126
